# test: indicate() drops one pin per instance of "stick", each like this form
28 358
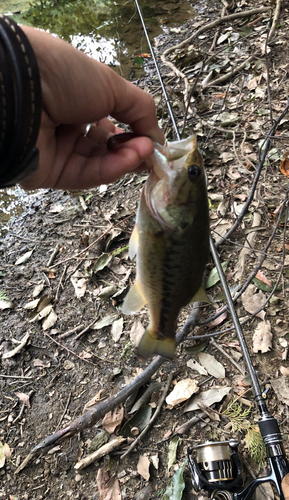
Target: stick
154 417
275 19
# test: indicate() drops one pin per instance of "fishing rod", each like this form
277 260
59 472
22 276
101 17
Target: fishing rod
215 466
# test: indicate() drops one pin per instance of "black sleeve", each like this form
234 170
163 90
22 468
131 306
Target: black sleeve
20 104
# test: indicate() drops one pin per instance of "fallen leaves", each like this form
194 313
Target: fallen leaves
143 466
207 398
252 301
182 391
108 486
262 338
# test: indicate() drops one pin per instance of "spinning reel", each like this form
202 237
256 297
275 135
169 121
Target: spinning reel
215 466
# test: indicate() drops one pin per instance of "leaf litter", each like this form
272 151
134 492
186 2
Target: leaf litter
231 148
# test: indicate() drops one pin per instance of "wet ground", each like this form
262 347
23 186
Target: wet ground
66 360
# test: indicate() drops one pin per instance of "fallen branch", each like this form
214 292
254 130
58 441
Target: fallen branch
101 452
213 24
91 417
265 149
275 19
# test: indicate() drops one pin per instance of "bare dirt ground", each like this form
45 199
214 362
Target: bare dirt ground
64 343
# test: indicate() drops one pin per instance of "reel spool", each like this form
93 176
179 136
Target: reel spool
215 466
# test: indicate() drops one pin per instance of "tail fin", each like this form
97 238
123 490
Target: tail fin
151 345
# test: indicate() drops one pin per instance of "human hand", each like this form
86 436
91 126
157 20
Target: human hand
77 91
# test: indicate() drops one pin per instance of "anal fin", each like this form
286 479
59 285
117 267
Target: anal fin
201 296
134 301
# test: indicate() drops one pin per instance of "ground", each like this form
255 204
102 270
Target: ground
47 384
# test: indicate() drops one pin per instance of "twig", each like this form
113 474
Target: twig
239 368
71 332
59 284
184 428
252 274
17 349
275 19
228 76
22 408
86 328
64 411
68 350
264 149
103 450
53 255
154 417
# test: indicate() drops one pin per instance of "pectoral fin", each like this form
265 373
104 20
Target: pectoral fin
134 301
151 345
133 242
201 296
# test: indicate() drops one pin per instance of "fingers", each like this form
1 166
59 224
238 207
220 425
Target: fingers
84 172
77 89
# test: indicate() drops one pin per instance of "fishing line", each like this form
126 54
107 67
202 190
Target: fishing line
268 425
255 382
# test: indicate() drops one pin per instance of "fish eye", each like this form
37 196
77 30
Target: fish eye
193 172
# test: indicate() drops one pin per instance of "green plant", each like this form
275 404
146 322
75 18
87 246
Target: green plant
237 416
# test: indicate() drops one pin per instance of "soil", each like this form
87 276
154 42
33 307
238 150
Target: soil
53 377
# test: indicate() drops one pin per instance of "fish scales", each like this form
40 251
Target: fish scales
171 242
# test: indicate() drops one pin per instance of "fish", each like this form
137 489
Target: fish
170 240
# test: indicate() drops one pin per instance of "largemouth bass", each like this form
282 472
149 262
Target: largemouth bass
171 243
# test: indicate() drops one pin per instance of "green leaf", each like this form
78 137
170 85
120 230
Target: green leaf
172 451
261 285
138 60
199 347
102 262
175 488
213 277
139 420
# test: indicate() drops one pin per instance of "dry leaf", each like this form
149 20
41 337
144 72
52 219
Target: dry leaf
24 258
79 284
116 329
262 338
155 461
2 456
182 391
108 487
50 320
105 321
136 332
253 301
284 167
261 276
113 419
212 366
38 289
32 304
281 388
23 397
194 365
207 398
143 467
284 370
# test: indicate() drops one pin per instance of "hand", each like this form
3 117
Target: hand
77 91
